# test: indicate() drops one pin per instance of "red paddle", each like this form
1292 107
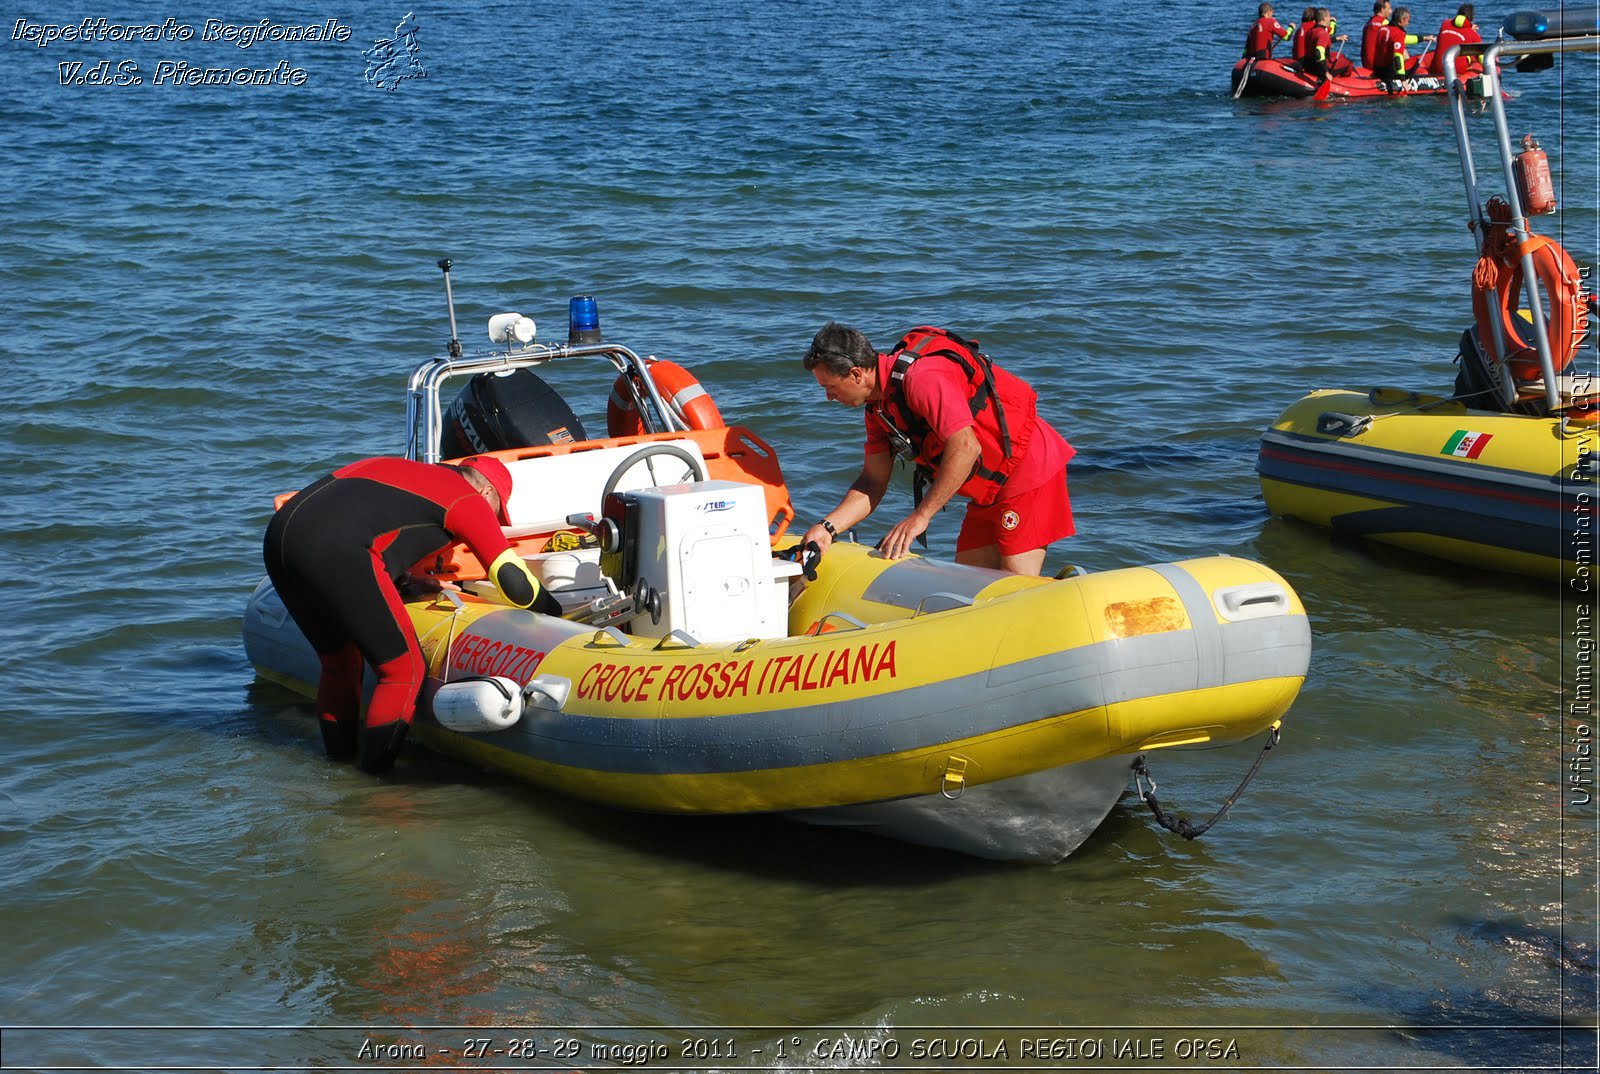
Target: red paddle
1327 79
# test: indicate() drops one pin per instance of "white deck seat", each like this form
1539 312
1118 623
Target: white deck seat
548 488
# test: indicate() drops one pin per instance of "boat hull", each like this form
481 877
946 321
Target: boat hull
1279 78
1506 492
996 678
1040 817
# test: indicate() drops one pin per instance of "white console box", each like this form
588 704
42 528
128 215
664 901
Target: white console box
705 548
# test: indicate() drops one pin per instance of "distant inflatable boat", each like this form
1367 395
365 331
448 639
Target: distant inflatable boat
1284 78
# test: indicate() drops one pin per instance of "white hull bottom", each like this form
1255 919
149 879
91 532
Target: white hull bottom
1040 817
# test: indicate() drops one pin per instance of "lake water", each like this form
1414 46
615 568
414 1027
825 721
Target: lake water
213 293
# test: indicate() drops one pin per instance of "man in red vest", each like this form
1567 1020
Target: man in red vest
971 428
1457 30
336 551
1392 60
1265 33
1319 57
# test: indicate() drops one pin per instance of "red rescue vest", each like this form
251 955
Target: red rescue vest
1004 410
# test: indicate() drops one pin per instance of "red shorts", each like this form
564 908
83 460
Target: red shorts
1020 523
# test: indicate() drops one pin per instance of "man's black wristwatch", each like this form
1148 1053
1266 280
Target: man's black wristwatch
825 524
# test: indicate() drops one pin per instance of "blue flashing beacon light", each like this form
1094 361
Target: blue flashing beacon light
1527 25
583 320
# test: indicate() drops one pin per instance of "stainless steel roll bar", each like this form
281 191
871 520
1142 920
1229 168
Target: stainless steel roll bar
1491 53
425 415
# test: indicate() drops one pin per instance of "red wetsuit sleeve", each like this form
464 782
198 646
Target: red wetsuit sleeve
1383 50
470 519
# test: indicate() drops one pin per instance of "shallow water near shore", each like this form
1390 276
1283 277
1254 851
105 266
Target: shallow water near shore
215 293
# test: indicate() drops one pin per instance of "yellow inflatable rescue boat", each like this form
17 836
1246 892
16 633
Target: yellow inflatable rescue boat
1503 473
1501 491
697 669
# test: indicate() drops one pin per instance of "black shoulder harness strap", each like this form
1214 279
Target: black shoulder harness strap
904 357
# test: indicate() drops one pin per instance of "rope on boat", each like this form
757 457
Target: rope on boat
1181 825
456 608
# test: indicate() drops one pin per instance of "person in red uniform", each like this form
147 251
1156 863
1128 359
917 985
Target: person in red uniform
972 429
336 551
1266 32
1297 47
1319 58
1339 64
1457 30
1392 60
1372 33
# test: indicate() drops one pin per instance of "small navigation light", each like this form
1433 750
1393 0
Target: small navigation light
583 320
511 327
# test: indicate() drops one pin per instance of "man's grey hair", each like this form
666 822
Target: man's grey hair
838 349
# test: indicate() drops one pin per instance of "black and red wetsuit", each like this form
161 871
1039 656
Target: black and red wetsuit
334 552
1318 44
1392 60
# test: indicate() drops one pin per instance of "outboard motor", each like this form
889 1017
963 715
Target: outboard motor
507 410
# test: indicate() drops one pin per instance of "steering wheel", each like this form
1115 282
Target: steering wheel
696 467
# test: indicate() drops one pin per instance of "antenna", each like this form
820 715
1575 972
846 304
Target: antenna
444 264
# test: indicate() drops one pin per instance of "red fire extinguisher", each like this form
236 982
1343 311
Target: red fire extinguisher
1532 169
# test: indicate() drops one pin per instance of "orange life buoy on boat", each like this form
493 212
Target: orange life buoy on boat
679 390
1532 171
1497 286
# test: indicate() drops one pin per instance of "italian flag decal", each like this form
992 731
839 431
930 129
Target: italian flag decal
1467 445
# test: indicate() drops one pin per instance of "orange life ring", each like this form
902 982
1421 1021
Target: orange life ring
679 390
1496 293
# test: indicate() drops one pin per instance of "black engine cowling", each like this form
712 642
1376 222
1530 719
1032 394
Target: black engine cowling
507 410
